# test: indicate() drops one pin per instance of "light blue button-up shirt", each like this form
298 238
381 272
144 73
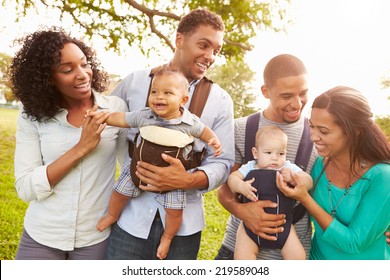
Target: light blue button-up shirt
65 217
137 217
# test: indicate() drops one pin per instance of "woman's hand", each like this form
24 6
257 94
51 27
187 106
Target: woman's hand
93 126
299 192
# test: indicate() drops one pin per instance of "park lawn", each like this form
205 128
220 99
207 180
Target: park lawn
12 208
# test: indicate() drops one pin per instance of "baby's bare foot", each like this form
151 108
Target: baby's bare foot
105 222
163 248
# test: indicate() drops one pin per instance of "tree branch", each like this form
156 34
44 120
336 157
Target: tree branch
238 44
159 34
150 12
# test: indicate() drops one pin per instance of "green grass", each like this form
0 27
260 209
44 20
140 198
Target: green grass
12 208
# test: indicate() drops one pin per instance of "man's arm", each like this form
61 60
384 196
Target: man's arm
166 178
252 213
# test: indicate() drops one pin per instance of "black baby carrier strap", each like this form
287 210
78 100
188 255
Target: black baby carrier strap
265 184
302 157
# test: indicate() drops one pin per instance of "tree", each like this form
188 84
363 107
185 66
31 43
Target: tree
114 81
235 77
5 59
385 82
384 122
151 24
140 23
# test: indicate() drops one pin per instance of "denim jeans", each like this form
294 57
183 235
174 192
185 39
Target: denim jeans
124 246
224 254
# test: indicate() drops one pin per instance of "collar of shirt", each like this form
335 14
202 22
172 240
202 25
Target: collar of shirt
98 99
186 117
192 86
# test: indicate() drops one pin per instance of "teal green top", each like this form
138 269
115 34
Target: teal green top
361 219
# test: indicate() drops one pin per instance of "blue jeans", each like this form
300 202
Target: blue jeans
124 246
224 254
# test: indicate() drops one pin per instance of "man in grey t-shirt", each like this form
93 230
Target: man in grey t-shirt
285 85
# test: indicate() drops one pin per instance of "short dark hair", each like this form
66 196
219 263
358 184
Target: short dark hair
167 70
200 17
282 66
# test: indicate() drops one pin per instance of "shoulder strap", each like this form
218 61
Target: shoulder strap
305 147
199 97
252 124
301 159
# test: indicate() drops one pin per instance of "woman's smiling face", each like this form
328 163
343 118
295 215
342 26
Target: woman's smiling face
328 137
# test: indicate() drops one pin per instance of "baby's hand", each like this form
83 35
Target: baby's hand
216 145
287 176
247 190
91 112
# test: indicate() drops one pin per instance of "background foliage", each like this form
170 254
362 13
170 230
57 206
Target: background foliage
151 24
4 88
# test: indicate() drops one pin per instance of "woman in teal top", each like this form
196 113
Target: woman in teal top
360 219
350 202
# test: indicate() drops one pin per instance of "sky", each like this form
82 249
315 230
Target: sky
342 42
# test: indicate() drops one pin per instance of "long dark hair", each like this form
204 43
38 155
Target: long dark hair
352 113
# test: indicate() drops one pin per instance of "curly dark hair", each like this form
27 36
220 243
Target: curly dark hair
31 70
190 22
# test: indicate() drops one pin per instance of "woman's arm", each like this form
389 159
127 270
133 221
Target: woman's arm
300 192
370 219
90 138
34 180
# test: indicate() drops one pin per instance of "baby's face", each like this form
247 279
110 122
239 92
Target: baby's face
166 97
270 153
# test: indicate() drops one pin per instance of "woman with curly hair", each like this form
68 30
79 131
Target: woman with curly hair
64 162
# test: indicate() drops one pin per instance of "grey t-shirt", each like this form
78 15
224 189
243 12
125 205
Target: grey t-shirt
302 227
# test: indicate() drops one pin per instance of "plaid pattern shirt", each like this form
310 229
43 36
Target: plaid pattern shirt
172 200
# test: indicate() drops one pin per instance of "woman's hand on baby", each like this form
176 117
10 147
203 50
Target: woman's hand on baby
287 176
100 116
